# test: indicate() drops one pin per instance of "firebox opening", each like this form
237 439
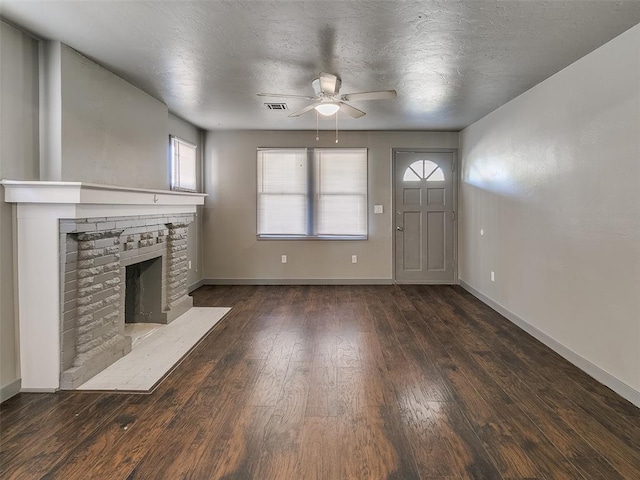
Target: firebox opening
143 292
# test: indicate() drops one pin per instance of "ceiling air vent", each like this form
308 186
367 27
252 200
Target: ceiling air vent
276 106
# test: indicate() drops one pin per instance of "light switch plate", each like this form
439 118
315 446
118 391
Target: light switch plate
378 209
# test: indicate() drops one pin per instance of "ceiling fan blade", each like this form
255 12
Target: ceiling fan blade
351 111
284 95
377 95
305 109
329 83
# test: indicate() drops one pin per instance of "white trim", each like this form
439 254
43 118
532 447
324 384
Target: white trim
196 285
39 390
456 203
425 282
181 140
10 389
176 178
311 194
582 363
297 281
78 193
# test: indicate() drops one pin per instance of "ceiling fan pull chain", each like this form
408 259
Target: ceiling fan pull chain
336 127
317 136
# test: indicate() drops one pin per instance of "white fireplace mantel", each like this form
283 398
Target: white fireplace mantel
39 208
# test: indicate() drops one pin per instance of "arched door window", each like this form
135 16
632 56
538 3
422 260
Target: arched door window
423 170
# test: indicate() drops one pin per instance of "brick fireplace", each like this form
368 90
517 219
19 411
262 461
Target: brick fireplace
96 254
74 243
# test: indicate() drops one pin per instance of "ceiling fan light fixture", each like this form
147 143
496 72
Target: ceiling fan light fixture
327 109
328 101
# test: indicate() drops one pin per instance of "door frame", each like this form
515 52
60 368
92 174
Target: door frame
456 176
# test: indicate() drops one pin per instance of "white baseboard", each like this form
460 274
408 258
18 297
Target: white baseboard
39 390
422 282
582 363
196 285
10 389
297 281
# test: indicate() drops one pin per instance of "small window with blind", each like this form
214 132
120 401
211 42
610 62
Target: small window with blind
184 163
312 193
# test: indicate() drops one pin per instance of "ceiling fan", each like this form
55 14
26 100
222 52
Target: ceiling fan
328 100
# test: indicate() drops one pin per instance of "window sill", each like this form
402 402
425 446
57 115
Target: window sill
185 190
308 237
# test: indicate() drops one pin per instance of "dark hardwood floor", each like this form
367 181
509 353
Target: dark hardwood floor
338 382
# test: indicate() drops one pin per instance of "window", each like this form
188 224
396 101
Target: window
423 170
312 193
183 165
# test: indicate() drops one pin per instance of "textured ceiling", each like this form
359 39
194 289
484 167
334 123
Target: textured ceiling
452 62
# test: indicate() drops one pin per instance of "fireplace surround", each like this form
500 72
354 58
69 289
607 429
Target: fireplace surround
97 253
73 243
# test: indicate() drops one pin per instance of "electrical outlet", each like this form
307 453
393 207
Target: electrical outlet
493 276
354 258
284 259
378 209
482 232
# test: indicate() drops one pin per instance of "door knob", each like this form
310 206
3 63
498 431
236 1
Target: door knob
400 229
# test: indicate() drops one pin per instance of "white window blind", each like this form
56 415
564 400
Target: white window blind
282 192
312 193
184 160
341 191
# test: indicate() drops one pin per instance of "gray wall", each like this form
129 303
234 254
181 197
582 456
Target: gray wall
18 160
115 134
112 132
232 251
553 178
